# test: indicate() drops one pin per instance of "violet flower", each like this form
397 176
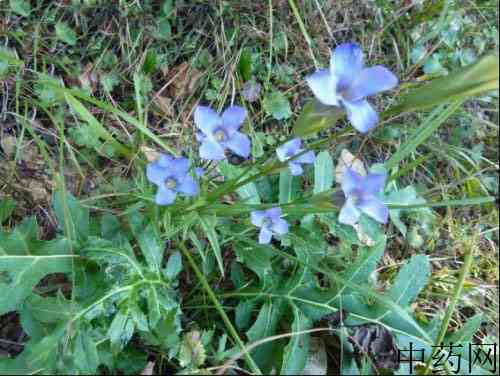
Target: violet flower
270 223
171 175
361 193
289 150
347 83
221 132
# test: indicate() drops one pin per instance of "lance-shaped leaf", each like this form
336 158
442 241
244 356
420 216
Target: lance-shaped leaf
316 117
470 81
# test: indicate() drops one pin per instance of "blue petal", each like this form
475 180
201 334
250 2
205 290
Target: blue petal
374 183
351 181
349 214
265 236
280 226
257 217
164 196
206 119
156 174
211 150
288 149
199 171
188 186
164 160
273 213
375 208
371 81
306 158
295 168
361 115
239 143
323 85
233 117
179 166
346 63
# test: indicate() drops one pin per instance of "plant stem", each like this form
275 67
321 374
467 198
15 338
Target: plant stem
219 308
303 30
451 308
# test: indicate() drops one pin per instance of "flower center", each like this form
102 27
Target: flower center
354 196
267 222
170 183
220 135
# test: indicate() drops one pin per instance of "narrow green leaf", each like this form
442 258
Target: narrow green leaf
466 333
174 266
208 224
85 353
316 117
248 192
296 352
65 33
289 187
72 217
151 246
447 203
264 326
121 329
113 110
410 280
96 127
419 135
473 80
245 64
324 172
21 7
22 240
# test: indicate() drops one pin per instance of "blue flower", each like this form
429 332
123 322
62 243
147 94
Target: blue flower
270 223
361 193
221 132
347 83
171 175
289 150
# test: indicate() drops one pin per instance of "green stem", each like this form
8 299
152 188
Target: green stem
303 30
451 308
219 308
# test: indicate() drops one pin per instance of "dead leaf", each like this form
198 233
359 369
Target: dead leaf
348 160
378 343
316 361
89 78
39 191
8 144
363 236
165 105
149 369
151 154
184 80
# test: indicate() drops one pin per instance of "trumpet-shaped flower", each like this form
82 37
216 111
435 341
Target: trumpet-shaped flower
348 83
270 223
361 193
221 132
171 175
289 150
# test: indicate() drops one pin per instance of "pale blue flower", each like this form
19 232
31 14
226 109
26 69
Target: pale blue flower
270 223
171 175
361 193
221 132
289 150
347 83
